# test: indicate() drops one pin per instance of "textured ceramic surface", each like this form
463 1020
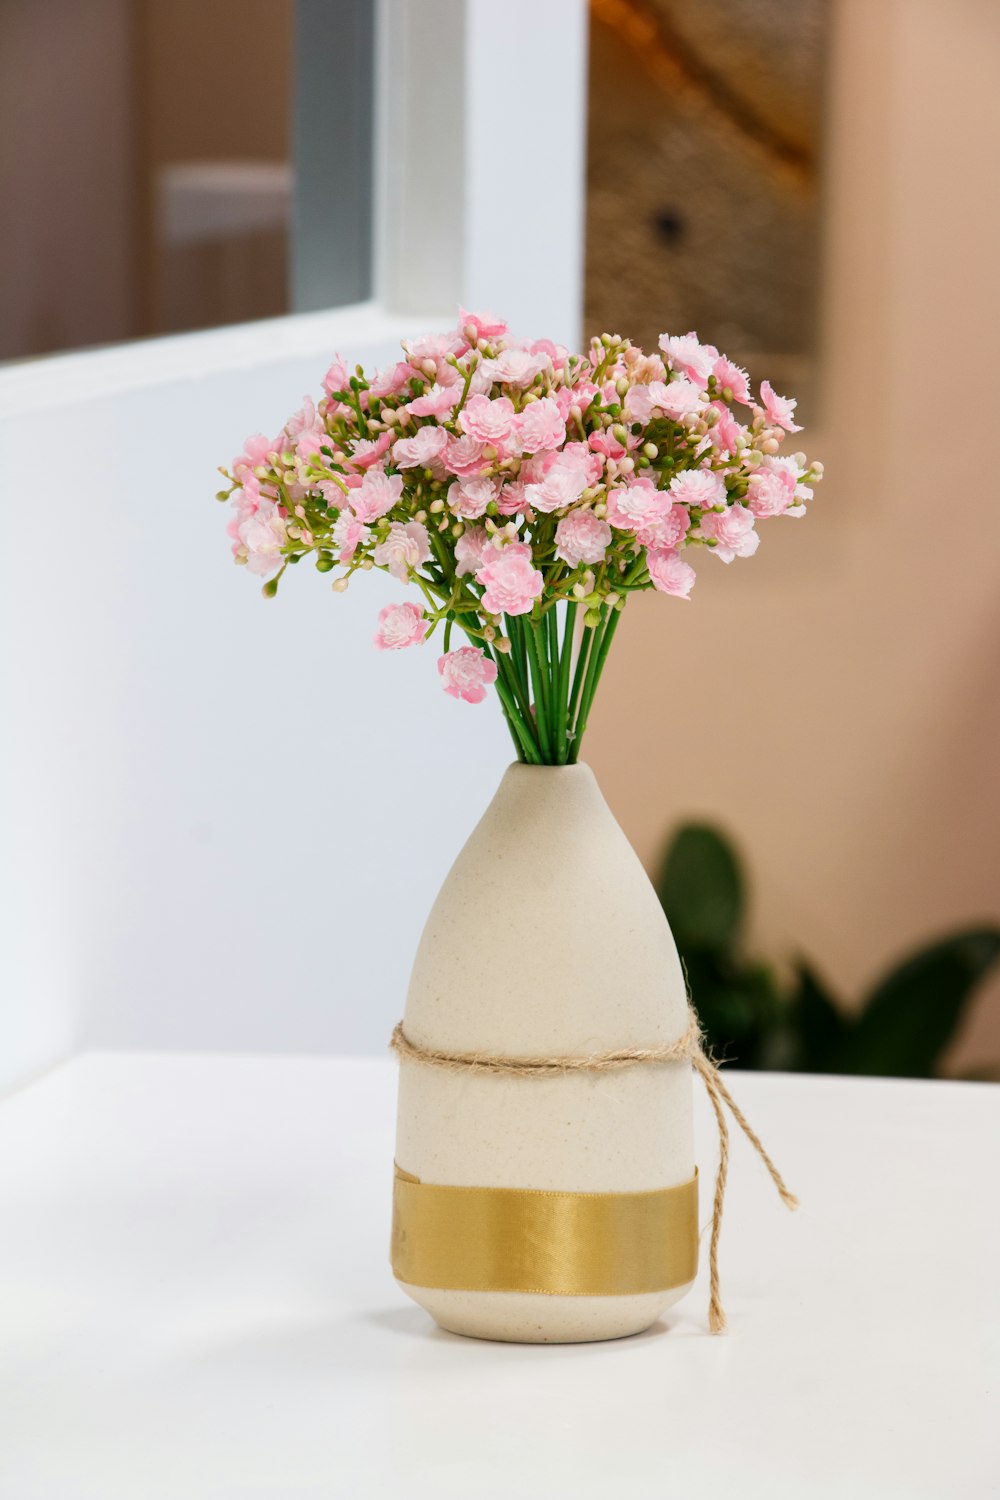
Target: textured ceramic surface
546 937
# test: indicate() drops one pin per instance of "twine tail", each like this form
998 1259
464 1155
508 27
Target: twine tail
719 1095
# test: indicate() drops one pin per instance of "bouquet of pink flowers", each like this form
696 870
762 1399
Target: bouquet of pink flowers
516 486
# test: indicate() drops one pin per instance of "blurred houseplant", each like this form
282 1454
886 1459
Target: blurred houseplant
756 1019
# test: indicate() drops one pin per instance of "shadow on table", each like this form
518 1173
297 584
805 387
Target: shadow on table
414 1323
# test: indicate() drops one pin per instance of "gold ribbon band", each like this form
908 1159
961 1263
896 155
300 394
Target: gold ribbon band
476 1239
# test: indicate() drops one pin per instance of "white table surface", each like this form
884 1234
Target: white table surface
195 1302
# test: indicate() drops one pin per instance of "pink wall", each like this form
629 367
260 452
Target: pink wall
835 701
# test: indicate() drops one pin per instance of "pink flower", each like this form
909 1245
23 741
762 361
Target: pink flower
260 538
337 377
733 532
512 498
476 326
439 401
698 487
582 394
469 550
375 496
770 492
779 409
464 456
606 443
400 625
790 473
636 505
511 582
306 430
348 535
467 673
391 381
582 455
731 378
541 426
558 353
488 421
406 546
582 537
639 402
246 500
421 450
725 434
564 481
469 498
434 347
517 367
255 451
368 451
690 358
669 574
678 398
663 532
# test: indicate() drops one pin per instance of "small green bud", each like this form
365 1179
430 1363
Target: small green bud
592 619
324 563
270 588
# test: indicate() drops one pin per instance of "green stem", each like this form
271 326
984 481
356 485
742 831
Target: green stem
527 750
565 661
518 683
595 667
536 665
586 642
517 651
555 706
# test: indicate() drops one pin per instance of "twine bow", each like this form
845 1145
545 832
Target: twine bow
689 1046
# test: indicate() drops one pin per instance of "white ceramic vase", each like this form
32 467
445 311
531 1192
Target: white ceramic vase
546 939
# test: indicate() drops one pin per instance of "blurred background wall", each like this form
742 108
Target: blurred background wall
835 705
145 181
814 187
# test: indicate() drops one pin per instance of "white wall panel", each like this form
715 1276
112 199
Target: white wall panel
227 816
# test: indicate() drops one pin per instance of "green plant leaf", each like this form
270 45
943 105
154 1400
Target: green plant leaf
818 1025
700 887
914 1011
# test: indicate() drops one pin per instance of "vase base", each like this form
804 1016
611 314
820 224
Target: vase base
534 1318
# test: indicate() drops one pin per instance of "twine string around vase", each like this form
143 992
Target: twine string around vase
689 1046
